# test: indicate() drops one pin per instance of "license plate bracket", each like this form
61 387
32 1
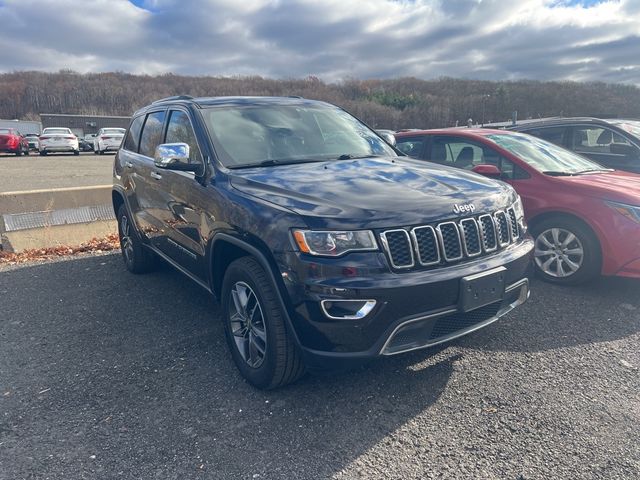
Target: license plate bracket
482 289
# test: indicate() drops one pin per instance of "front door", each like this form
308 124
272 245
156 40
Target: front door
188 215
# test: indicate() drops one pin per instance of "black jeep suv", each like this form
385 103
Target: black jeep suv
323 245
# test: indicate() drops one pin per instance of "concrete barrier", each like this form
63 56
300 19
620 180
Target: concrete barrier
49 218
54 199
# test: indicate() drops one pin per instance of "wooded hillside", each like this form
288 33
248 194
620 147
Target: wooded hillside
395 104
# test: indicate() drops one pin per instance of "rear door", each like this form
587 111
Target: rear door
149 196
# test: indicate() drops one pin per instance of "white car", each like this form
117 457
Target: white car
58 139
108 139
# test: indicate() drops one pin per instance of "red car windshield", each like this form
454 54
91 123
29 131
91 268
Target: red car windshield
544 156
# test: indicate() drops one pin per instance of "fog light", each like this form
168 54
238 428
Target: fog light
347 309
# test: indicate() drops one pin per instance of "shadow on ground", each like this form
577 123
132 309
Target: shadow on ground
103 373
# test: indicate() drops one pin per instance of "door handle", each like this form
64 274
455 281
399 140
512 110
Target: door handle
128 165
156 175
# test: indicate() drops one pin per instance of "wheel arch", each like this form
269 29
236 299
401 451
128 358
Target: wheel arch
538 219
225 248
117 200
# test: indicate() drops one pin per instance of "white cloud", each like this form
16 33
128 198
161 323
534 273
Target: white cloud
489 39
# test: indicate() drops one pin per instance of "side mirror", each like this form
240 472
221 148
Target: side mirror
388 137
174 156
487 170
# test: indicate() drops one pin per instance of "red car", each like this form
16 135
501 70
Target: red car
11 141
585 218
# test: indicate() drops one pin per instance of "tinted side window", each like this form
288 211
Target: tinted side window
461 153
133 135
593 139
555 135
411 146
151 134
179 130
511 171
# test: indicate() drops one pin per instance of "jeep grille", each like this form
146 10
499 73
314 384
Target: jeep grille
451 241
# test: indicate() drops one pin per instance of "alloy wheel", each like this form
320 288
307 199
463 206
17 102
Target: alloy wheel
247 324
558 252
125 239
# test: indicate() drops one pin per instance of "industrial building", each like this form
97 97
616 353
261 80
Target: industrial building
23 126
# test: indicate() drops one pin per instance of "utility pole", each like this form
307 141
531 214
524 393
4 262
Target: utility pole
484 97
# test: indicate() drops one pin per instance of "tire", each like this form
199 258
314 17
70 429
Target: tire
567 252
280 362
26 152
76 152
19 152
137 258
43 153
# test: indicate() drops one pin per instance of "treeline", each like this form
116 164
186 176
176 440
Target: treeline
395 104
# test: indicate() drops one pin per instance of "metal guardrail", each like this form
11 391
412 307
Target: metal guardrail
67 216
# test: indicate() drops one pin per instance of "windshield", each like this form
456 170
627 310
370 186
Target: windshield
630 126
270 134
5 131
544 156
64 131
119 131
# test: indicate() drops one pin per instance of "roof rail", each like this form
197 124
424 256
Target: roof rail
175 97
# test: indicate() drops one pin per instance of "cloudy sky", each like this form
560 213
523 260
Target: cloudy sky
331 39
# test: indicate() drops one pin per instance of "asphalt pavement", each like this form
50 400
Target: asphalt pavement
104 374
57 170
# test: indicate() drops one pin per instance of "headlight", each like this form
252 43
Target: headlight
334 243
630 211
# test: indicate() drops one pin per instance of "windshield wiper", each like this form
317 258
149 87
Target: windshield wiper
558 174
590 170
270 163
349 156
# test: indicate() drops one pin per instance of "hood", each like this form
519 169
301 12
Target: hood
618 186
372 192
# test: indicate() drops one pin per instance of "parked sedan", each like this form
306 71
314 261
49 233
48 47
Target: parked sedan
613 143
108 139
58 139
585 218
32 141
11 141
84 144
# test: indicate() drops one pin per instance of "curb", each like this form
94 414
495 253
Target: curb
61 216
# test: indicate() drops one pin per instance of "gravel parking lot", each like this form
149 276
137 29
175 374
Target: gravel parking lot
107 375
58 170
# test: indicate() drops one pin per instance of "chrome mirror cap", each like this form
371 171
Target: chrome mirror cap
170 155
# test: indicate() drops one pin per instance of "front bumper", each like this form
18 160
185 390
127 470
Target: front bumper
413 309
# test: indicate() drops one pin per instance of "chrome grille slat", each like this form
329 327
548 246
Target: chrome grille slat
450 241
470 237
513 223
427 245
398 245
449 237
502 228
488 232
